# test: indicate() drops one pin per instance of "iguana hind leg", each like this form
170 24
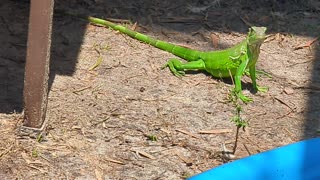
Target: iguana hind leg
178 68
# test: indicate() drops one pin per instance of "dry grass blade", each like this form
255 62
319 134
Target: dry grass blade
99 61
39 169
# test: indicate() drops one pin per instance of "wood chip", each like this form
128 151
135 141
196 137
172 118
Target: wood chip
279 38
288 90
26 158
99 174
134 26
215 40
215 131
188 133
184 159
6 151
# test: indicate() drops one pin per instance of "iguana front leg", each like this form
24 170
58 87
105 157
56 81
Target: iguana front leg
252 71
178 68
237 81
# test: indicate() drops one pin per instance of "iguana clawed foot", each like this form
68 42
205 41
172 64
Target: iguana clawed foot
238 95
244 98
247 99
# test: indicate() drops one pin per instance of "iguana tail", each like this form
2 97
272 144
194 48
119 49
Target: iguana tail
185 53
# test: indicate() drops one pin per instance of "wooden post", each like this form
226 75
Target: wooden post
37 63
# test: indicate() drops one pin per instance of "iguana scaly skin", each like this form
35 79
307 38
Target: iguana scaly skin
233 61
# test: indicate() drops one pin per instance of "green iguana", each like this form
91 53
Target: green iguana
233 61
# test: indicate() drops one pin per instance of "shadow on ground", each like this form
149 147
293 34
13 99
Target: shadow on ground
66 41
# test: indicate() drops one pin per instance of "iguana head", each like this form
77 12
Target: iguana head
256 35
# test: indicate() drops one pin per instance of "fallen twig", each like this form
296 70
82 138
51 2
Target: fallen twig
247 149
82 89
284 103
307 44
114 161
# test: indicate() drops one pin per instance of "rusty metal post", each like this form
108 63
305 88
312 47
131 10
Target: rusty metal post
37 63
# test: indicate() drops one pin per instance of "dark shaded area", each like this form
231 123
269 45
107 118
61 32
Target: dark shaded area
66 41
185 16
13 39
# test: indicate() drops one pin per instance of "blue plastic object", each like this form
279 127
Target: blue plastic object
297 161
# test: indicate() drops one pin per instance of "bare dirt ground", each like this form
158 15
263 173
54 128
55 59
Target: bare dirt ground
127 118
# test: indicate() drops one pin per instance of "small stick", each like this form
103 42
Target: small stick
82 89
144 154
187 133
215 131
247 149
